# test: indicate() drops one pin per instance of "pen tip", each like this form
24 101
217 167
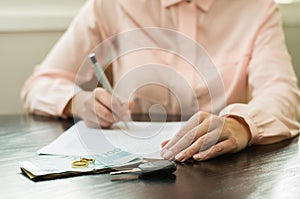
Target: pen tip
92 57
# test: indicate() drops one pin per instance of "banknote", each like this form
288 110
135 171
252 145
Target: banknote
47 167
115 157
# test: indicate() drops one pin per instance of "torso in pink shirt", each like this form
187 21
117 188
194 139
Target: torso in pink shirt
243 39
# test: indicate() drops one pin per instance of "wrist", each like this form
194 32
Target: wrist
68 108
243 124
72 109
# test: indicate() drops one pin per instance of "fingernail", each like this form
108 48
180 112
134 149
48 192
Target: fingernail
164 143
166 154
199 156
180 157
162 152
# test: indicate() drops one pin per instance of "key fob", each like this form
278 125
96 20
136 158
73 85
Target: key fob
157 168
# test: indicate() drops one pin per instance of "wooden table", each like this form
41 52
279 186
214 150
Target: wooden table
271 171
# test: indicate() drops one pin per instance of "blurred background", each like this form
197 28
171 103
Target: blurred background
30 28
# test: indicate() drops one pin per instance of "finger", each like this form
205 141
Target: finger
103 113
164 143
193 122
126 110
120 110
112 104
98 116
124 113
181 142
92 124
202 144
178 143
221 148
106 99
103 97
131 105
94 121
98 124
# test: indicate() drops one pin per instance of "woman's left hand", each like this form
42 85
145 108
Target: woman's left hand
206 136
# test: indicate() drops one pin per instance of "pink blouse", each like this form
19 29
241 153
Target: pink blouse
249 75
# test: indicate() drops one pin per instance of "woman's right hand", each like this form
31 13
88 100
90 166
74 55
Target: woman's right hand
98 108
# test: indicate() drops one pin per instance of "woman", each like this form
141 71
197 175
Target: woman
243 38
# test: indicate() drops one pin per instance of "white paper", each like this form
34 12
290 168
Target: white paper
142 138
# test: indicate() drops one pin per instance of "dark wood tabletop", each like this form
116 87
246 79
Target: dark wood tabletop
270 171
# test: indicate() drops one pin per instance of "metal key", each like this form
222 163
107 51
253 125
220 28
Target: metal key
160 167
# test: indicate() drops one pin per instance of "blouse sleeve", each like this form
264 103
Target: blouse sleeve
272 112
52 84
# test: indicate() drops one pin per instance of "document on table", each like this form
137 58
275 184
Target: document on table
141 138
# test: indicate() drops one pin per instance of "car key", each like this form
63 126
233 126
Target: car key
155 168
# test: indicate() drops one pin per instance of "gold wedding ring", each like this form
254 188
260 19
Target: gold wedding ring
89 160
80 164
83 162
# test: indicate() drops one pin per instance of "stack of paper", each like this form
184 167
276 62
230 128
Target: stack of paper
142 138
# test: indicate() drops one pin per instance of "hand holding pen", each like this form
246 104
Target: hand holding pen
116 107
98 108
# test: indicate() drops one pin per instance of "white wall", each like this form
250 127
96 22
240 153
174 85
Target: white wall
29 28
